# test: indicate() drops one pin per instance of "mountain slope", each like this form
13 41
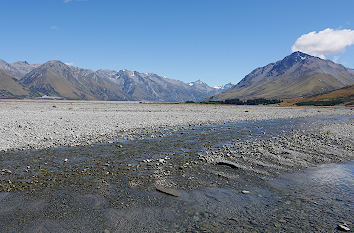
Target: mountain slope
23 67
9 69
16 69
344 96
296 75
10 87
55 78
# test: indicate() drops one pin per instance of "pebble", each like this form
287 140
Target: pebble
343 227
7 171
168 191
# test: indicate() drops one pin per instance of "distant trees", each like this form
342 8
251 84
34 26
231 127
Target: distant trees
258 101
321 103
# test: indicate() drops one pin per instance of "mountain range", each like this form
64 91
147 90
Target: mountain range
55 78
297 75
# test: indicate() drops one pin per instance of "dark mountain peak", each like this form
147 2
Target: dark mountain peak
126 74
55 62
199 82
105 71
133 74
10 69
291 62
17 69
295 57
54 66
21 63
228 86
4 64
125 71
299 54
59 66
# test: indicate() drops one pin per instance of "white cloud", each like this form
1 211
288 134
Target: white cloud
326 42
54 28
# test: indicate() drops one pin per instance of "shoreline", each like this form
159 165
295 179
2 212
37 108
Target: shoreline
31 124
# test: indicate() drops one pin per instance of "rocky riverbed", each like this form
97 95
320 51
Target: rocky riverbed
185 168
42 124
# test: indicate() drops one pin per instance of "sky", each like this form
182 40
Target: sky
216 41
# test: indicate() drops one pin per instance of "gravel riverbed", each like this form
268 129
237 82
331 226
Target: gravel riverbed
184 168
31 124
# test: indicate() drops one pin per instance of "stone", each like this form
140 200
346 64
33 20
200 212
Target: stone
343 227
168 191
162 161
227 163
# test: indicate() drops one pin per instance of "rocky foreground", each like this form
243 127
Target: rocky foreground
43 124
302 148
183 176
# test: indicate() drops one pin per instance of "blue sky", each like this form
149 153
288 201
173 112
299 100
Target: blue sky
217 41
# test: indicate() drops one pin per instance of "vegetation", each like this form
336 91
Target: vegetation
343 96
245 102
321 103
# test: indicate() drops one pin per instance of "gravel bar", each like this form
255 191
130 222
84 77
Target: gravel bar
36 124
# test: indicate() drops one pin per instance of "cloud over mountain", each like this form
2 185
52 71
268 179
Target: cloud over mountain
325 42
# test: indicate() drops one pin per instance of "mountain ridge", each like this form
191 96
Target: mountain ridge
55 78
10 87
296 75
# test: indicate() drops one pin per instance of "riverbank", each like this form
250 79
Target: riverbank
37 124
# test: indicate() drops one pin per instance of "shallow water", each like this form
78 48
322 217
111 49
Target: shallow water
109 187
316 199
